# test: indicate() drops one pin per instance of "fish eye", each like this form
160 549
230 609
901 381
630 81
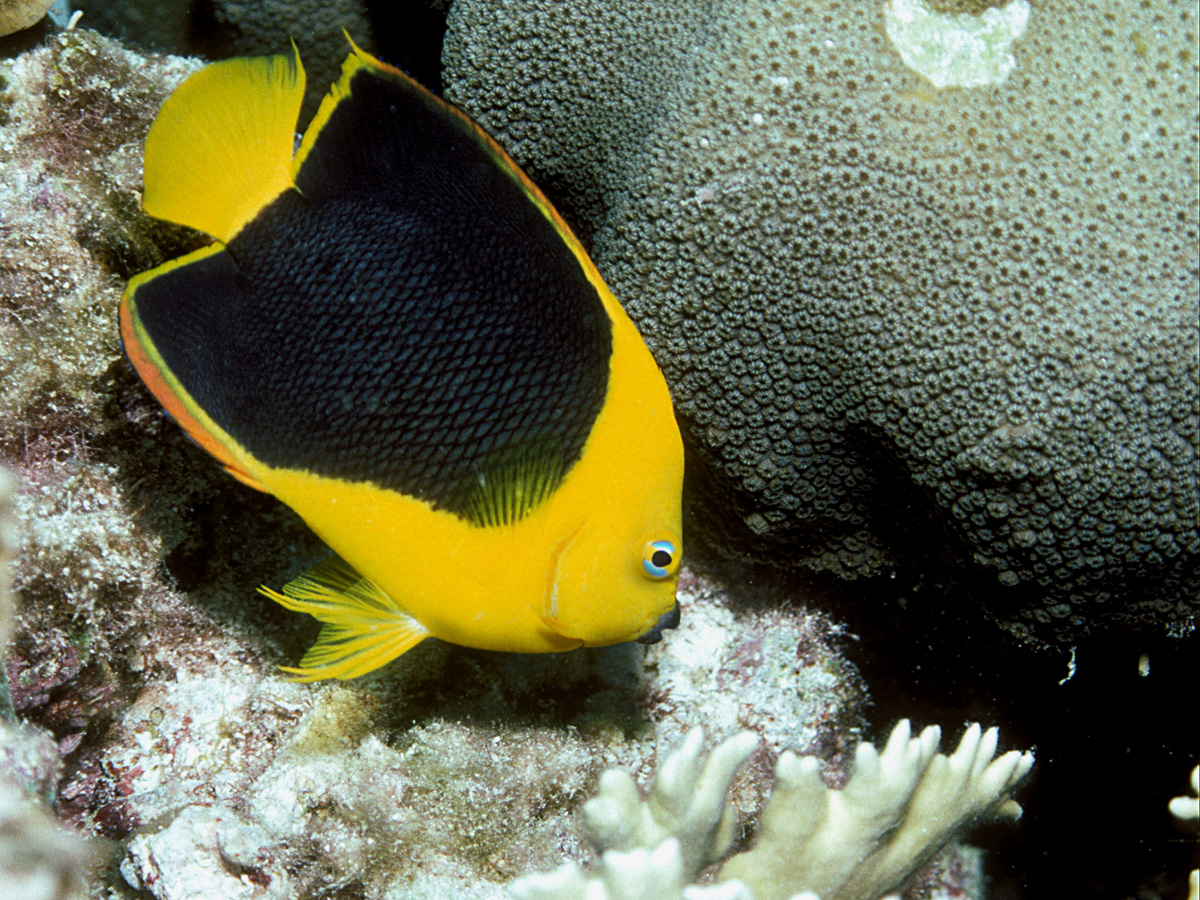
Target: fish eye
660 559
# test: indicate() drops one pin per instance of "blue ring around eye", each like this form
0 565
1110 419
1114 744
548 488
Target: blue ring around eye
653 562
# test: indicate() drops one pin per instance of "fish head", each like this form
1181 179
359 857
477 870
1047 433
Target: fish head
612 571
614 565
605 588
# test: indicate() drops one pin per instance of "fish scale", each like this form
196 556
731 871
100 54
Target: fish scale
412 313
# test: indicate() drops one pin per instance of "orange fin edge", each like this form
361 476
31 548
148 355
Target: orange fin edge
166 390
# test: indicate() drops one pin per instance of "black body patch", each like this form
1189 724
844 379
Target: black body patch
408 317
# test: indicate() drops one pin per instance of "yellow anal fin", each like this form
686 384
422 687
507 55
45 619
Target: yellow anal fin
220 148
364 628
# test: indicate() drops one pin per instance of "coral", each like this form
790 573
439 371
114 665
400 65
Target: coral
74 114
686 804
959 50
947 328
8 548
897 809
1186 811
110 528
377 786
39 860
764 665
18 14
640 874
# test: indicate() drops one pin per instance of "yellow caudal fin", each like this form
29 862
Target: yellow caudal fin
364 628
220 148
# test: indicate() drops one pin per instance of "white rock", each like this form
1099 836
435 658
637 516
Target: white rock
206 852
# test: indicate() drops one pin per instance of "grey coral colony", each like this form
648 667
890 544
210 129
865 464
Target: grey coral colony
876 297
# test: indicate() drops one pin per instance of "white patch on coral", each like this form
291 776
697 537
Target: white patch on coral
956 49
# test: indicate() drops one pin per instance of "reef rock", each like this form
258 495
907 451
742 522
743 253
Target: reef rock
947 328
39 859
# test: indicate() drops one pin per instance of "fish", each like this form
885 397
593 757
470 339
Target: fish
396 334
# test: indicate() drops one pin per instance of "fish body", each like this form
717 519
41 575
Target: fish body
397 335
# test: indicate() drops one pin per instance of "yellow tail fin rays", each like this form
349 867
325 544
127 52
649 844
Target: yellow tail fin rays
221 147
363 627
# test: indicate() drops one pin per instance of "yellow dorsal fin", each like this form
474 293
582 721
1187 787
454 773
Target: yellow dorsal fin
364 627
220 148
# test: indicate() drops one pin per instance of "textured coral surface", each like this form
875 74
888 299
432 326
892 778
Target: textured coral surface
900 323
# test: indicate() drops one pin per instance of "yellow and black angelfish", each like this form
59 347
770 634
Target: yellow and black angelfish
396 335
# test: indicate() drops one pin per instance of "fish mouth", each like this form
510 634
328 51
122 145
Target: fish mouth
669 619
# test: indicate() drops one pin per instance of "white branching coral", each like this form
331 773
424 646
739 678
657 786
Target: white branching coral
686 802
898 809
1186 811
640 874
